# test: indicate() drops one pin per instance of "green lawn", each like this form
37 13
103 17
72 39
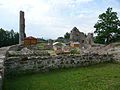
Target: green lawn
96 77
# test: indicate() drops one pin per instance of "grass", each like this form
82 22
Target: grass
51 52
41 45
96 77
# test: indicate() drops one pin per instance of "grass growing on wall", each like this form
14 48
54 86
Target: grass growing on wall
41 45
97 77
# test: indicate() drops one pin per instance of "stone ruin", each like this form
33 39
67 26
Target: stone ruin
89 39
27 60
33 61
15 59
77 36
22 34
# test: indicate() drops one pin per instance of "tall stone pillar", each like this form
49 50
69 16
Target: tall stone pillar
22 34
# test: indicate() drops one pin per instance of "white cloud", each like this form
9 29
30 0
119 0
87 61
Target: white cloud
56 16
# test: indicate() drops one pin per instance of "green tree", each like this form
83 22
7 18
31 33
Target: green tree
60 39
107 27
8 37
2 37
67 36
16 38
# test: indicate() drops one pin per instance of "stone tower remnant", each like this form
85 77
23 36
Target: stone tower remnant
90 39
22 34
85 41
77 36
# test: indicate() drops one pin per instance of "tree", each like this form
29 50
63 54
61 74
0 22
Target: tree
67 36
2 37
107 27
60 39
8 37
16 38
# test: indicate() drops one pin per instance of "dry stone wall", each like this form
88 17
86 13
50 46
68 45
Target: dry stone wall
31 63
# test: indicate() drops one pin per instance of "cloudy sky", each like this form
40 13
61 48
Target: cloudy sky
53 18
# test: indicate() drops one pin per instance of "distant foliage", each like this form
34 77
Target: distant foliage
8 38
67 36
107 28
60 39
63 39
41 40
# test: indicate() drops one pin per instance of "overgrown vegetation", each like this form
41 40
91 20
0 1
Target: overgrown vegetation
75 51
97 77
8 38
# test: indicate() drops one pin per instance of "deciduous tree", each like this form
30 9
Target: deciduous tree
107 27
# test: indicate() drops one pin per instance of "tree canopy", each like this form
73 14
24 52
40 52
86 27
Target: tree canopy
107 27
8 37
60 39
67 36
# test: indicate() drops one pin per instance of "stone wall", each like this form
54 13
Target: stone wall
31 63
3 51
1 70
19 60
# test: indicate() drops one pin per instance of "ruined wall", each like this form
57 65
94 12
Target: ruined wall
3 51
89 39
29 63
2 57
75 35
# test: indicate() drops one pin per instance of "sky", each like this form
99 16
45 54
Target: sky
53 18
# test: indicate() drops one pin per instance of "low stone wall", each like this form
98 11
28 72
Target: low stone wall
22 60
23 64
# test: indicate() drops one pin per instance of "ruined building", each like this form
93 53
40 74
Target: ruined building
81 38
89 39
77 36
22 34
